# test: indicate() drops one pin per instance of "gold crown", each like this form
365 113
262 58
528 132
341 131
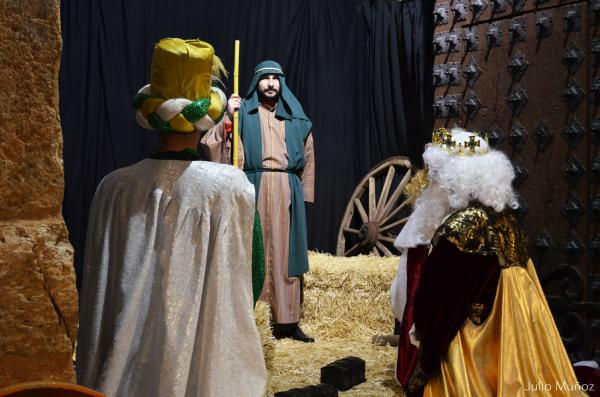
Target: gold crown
443 138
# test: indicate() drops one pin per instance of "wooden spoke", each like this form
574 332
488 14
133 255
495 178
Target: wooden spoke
354 247
391 225
386 190
388 239
384 249
361 210
395 196
372 202
394 212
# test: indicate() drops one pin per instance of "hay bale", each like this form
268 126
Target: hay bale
348 298
262 314
299 364
346 302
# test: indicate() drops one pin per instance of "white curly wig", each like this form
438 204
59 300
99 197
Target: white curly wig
457 177
485 176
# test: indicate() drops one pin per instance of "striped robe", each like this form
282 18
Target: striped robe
282 293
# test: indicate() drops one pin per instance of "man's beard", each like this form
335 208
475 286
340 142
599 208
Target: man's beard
264 98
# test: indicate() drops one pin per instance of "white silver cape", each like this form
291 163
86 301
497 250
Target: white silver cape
166 304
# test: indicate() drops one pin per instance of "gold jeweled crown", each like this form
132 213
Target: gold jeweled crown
445 139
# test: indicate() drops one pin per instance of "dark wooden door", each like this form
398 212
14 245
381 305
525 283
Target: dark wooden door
526 73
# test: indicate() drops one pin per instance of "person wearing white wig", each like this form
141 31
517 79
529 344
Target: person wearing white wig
474 319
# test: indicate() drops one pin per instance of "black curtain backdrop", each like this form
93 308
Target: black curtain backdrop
361 69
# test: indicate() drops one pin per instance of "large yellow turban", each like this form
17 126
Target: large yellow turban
179 97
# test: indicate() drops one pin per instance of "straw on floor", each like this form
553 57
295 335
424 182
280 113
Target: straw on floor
346 302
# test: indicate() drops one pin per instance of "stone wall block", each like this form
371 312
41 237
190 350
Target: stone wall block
38 309
31 167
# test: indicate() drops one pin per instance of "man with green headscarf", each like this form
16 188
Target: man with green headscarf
276 152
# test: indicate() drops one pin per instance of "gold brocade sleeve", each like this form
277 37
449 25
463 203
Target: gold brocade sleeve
481 230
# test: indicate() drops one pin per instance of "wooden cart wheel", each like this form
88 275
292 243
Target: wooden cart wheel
377 210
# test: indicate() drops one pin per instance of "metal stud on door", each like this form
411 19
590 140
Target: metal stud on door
574 170
453 73
472 72
440 76
543 242
440 14
574 208
573 94
440 46
543 24
517 136
495 136
517 66
459 9
517 100
472 106
477 8
573 132
494 35
471 39
498 6
516 30
542 136
521 173
572 19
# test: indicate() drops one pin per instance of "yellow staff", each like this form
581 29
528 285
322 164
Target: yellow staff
236 67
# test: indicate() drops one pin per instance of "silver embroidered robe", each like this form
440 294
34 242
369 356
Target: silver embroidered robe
166 303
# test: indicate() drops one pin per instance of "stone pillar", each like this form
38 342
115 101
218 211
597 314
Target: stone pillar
38 297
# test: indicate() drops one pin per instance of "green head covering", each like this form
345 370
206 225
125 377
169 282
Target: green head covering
287 105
